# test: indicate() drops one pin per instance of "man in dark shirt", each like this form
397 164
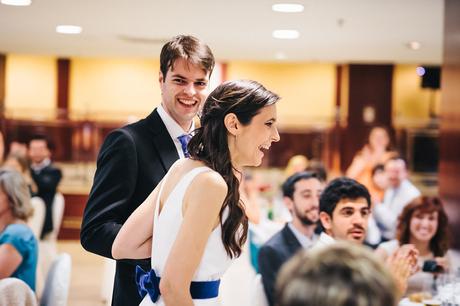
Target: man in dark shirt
46 176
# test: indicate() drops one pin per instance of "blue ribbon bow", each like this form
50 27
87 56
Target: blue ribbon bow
147 283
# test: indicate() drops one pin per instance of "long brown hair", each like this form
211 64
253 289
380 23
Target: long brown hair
209 144
439 244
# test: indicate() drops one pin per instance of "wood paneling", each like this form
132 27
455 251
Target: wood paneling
370 88
2 83
449 168
73 213
63 78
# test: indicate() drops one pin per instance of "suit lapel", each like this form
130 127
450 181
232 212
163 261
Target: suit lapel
162 140
290 239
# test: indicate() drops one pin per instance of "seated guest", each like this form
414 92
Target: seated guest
342 274
424 224
18 162
301 193
400 193
45 176
376 151
18 147
344 212
296 163
18 245
318 167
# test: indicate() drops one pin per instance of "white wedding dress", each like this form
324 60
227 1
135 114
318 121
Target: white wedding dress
215 260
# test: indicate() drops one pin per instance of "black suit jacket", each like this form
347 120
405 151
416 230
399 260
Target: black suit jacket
131 162
47 181
272 255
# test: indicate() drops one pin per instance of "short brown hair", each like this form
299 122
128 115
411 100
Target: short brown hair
341 274
439 244
189 48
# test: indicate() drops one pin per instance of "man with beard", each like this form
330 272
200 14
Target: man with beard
301 193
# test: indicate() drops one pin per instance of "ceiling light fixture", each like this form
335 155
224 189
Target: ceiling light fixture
287 7
286 34
17 2
68 29
414 45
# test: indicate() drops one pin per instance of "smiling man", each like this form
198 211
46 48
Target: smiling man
301 193
344 211
134 158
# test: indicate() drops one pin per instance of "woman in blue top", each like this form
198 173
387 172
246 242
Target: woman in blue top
18 245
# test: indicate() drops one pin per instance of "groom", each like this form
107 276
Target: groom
134 159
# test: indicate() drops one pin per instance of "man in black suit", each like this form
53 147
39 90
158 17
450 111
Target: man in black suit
134 159
45 176
301 193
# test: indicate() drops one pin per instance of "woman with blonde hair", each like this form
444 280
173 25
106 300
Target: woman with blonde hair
18 245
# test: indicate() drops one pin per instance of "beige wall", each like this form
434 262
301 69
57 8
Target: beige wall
410 100
102 88
113 88
307 89
30 86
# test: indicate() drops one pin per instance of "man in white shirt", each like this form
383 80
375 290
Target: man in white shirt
301 193
344 212
400 193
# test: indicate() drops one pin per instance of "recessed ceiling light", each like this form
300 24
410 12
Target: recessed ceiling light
68 29
414 45
286 34
287 7
17 2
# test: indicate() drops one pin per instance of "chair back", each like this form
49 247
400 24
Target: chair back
57 213
56 290
36 221
258 297
14 291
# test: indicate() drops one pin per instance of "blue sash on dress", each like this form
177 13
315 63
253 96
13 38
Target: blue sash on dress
149 283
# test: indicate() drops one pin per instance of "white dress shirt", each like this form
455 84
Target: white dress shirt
323 241
304 241
174 129
394 200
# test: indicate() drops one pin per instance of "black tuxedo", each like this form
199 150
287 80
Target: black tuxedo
272 255
47 181
131 162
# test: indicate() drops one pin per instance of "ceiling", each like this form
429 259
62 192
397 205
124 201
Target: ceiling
357 31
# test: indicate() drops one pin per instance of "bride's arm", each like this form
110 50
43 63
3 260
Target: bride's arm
203 201
134 240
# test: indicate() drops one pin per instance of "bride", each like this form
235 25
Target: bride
193 224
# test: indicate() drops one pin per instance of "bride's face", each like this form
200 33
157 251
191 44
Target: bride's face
254 139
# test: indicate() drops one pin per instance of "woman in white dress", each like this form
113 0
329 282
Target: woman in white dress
193 224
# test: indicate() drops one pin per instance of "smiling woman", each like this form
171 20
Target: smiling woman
193 224
424 224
